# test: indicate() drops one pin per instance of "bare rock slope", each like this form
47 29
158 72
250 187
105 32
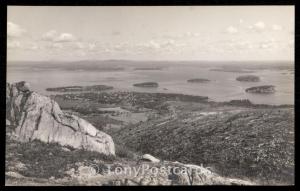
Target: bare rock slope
38 117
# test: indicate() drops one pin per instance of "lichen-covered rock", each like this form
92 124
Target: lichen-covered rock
39 117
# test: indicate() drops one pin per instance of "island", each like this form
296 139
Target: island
248 78
233 70
147 84
267 89
80 88
198 80
155 68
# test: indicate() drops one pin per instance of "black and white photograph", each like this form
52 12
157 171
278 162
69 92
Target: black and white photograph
150 95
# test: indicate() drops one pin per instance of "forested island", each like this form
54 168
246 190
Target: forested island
198 80
248 78
266 89
147 84
80 88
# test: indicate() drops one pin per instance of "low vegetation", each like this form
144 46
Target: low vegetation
46 160
255 144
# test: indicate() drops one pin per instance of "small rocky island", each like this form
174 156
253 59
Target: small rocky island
80 88
248 78
198 80
267 89
147 85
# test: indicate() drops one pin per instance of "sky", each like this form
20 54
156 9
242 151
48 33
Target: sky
214 33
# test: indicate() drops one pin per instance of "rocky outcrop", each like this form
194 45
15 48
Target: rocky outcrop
7 122
37 117
148 173
172 173
149 158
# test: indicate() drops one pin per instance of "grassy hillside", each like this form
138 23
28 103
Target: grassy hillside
236 138
253 143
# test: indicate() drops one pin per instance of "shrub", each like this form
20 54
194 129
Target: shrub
124 152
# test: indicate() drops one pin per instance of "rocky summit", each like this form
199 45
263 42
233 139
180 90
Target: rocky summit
37 117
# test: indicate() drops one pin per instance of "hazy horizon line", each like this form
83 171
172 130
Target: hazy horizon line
133 60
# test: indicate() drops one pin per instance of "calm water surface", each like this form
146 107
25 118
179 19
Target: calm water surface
173 79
